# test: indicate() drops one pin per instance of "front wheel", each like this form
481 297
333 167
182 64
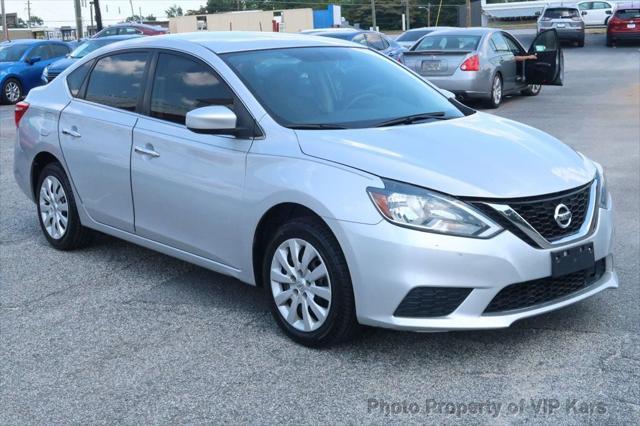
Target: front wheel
495 98
57 212
11 91
308 283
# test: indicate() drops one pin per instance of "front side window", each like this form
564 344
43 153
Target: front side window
335 87
12 53
42 51
116 80
181 85
585 6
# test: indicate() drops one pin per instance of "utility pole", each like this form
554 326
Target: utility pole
468 13
428 14
373 14
78 10
29 13
407 15
140 13
96 5
91 13
5 30
131 3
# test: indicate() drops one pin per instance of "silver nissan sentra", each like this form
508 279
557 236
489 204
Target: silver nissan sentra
350 189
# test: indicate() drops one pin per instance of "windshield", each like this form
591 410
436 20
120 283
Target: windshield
12 53
335 86
448 42
413 35
561 13
88 47
628 14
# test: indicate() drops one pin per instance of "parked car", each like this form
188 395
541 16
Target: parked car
52 71
371 39
21 65
347 187
479 63
131 29
408 38
595 13
624 25
565 19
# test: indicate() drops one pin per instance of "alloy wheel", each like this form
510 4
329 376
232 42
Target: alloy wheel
497 90
54 209
300 285
12 92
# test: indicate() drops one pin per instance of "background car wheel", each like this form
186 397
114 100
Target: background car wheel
495 98
532 90
11 91
580 43
308 283
57 212
609 42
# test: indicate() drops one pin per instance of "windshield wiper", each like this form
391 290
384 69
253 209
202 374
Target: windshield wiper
409 119
316 127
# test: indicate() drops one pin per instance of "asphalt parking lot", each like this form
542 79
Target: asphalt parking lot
115 333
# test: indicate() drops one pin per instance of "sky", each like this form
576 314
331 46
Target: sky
57 13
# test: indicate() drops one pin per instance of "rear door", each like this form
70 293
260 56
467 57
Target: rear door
504 59
96 131
187 187
548 69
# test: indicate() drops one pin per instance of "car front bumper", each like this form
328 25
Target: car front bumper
387 261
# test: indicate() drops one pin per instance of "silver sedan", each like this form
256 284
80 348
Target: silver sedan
482 63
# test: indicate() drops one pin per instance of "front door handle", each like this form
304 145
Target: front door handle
146 151
71 132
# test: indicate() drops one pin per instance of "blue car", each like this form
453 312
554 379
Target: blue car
88 46
21 65
371 39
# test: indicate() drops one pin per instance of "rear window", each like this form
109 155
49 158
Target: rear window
412 35
448 42
628 14
561 13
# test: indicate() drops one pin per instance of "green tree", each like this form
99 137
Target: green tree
134 18
201 11
150 18
36 21
174 11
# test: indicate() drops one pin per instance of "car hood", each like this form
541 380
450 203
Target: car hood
62 64
476 156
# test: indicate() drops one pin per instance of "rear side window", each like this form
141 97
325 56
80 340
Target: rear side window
116 80
376 42
181 84
561 13
76 78
498 43
59 50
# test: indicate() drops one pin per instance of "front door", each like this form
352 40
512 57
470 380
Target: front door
548 69
187 187
96 136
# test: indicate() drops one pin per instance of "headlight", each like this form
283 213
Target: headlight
45 74
603 193
419 208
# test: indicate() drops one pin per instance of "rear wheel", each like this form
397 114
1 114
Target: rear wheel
495 98
532 90
307 280
580 43
57 211
609 41
11 91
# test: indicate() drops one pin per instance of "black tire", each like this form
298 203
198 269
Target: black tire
340 324
532 90
75 235
609 42
580 43
4 96
493 101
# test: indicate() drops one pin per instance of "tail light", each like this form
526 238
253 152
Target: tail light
472 63
21 108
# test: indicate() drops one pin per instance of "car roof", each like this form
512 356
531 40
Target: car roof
136 24
477 31
238 41
562 5
117 37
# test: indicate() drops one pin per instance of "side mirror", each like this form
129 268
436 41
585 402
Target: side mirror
214 120
33 60
607 12
583 13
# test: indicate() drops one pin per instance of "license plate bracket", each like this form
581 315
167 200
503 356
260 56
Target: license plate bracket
572 260
631 26
431 65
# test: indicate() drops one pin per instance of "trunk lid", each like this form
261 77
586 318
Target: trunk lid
432 63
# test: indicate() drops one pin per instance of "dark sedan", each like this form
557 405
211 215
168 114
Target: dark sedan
371 39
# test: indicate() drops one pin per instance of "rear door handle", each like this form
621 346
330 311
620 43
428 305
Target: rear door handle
71 132
146 151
